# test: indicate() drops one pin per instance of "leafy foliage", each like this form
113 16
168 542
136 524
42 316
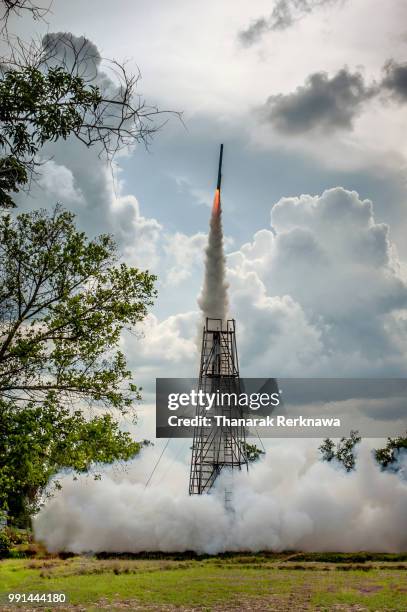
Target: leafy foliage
64 301
253 453
388 456
37 107
343 451
4 544
327 449
37 442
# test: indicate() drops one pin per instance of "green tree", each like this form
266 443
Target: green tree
327 449
64 301
253 452
388 456
38 441
343 451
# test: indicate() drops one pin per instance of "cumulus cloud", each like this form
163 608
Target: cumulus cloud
165 342
78 178
139 236
59 182
162 348
319 293
274 333
322 292
285 13
324 103
186 252
395 79
72 51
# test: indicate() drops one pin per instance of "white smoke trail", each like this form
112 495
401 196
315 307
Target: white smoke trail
213 300
290 500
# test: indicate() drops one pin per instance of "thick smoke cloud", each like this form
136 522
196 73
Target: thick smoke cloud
284 15
324 103
290 500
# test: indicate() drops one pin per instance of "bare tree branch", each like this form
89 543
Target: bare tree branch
60 87
18 8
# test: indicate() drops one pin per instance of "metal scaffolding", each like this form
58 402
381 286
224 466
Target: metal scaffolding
218 447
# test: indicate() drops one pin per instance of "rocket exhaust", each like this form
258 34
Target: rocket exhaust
213 300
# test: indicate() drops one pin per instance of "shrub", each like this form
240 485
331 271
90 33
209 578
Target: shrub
4 545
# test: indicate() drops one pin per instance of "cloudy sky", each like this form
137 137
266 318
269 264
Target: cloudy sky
310 100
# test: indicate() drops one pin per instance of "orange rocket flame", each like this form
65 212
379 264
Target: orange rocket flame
216 203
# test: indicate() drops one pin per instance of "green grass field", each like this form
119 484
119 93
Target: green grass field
230 582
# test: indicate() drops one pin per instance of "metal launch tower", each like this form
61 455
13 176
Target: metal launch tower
218 446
